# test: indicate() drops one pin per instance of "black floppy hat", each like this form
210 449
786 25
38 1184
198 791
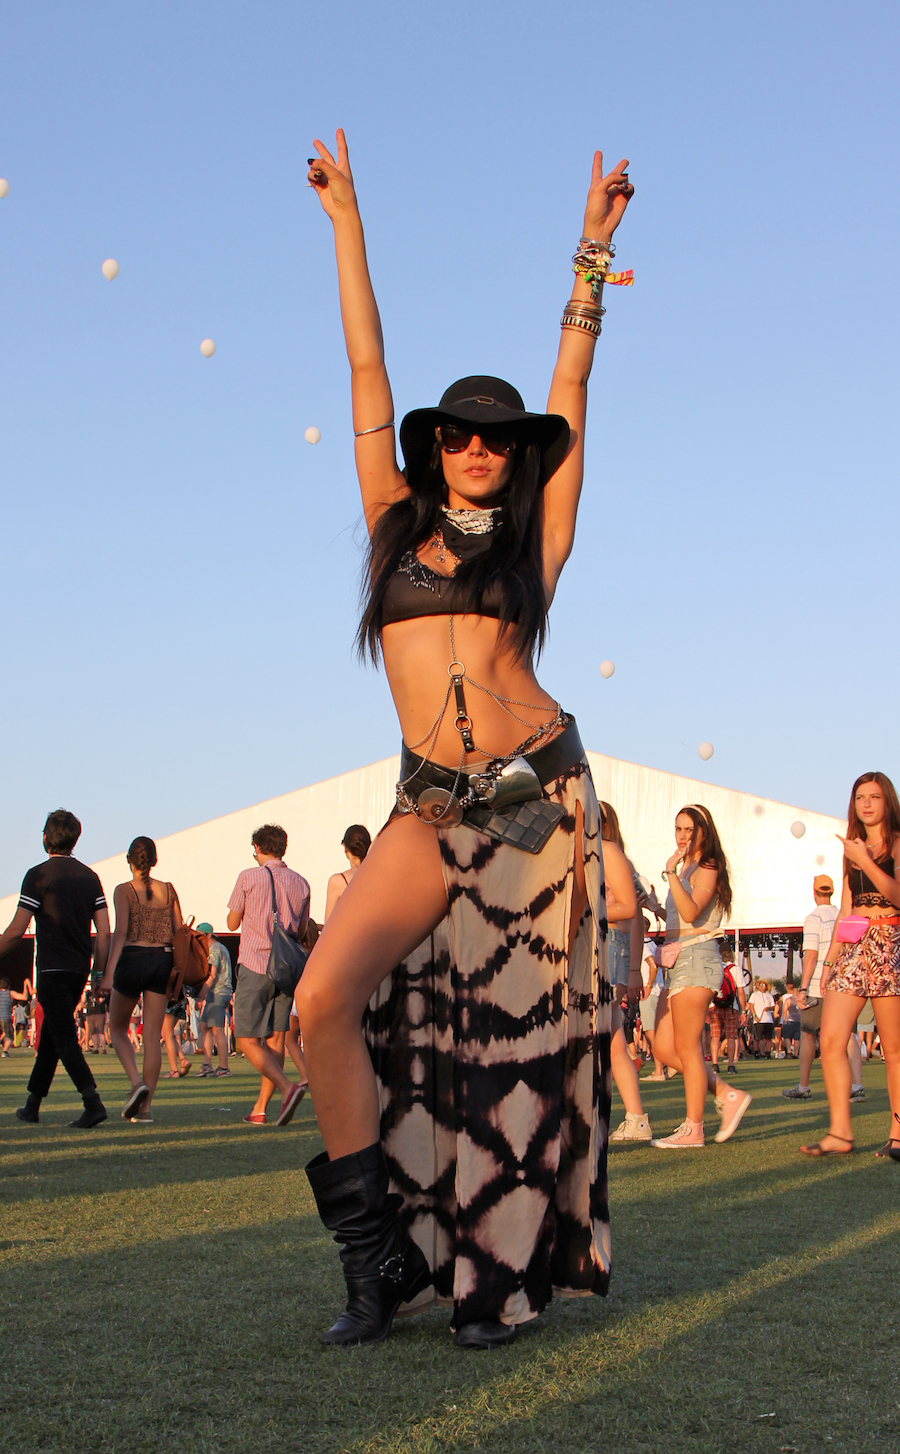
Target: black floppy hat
490 403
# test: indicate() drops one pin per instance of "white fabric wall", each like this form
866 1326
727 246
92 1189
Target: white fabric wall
771 870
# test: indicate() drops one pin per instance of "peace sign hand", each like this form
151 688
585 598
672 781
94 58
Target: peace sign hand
332 179
607 199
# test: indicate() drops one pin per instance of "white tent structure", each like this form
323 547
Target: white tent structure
772 870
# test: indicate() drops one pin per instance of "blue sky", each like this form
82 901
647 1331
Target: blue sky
180 567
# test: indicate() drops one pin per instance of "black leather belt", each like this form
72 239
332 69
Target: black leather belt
502 799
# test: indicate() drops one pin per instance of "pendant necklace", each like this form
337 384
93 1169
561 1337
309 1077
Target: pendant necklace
442 551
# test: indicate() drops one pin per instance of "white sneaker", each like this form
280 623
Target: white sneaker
731 1107
633 1128
686 1137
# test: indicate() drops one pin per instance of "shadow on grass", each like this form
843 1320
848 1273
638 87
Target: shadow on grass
746 1282
241 1368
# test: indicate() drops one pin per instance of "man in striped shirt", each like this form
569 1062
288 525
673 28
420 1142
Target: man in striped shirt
261 1012
63 897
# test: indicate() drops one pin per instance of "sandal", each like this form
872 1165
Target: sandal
184 1069
172 1075
818 1149
887 1149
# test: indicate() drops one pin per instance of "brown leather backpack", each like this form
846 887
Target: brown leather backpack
191 961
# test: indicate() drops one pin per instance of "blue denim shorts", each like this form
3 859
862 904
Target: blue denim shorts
697 966
618 954
214 1011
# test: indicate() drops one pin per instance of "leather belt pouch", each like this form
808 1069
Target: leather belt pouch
522 825
526 825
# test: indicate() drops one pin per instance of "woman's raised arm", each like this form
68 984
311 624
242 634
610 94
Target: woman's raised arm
608 196
380 480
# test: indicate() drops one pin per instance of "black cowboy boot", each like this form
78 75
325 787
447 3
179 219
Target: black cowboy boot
487 1333
383 1267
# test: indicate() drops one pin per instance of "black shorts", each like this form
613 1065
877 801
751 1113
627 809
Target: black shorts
142 970
790 1030
764 1030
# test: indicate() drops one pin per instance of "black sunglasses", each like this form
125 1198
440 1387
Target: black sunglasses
454 439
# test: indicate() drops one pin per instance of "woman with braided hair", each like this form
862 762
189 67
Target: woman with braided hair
139 967
471 1165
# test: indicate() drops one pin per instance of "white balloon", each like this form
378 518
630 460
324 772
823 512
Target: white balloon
312 435
798 829
207 348
110 269
4 187
706 750
607 668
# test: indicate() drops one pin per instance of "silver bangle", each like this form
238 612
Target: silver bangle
603 246
358 433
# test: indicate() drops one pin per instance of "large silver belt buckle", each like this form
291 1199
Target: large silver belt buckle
437 805
517 782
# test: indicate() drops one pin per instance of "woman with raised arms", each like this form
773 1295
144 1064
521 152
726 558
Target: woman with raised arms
466 1142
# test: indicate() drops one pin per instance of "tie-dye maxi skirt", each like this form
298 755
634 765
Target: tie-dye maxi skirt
491 1050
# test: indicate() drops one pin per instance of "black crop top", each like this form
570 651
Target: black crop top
865 895
416 590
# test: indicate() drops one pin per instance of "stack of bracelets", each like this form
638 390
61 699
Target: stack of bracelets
590 262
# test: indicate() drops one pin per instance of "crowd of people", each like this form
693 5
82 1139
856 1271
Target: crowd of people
133 1000
462 1014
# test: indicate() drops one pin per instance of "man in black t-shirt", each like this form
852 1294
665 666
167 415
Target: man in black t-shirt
63 897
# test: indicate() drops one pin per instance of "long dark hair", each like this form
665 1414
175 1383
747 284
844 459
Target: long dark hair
516 554
891 823
705 841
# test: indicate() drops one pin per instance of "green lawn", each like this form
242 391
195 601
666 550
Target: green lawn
163 1288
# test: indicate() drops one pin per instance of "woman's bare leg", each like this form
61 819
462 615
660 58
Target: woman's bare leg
687 1011
839 1014
854 1055
121 1008
395 900
623 1068
154 1014
887 1018
292 1046
168 1033
664 1035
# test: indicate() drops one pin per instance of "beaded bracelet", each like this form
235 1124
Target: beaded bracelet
592 261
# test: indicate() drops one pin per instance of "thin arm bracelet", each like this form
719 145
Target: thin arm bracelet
358 433
586 307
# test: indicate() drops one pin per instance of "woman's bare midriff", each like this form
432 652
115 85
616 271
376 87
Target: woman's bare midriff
417 654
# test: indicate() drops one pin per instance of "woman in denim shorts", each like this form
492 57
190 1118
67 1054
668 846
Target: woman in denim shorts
699 897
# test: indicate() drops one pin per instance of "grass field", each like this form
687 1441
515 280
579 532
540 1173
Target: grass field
163 1288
